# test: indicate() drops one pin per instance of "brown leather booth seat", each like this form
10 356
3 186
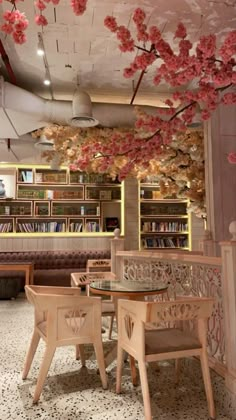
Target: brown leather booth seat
51 268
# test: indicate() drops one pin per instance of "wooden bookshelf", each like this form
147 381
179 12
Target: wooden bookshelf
164 223
51 202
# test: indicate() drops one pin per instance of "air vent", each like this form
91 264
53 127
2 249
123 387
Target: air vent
44 144
84 121
82 110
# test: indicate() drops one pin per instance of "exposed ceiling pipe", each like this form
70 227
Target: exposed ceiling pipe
22 112
7 63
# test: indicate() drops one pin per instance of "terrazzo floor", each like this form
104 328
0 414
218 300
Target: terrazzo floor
71 392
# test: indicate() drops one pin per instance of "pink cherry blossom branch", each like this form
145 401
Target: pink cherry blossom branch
16 22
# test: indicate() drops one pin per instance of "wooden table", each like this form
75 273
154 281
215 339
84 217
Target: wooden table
27 267
126 290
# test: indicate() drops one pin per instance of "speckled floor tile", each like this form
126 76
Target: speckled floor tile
72 392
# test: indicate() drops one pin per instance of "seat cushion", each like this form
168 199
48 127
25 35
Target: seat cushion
168 340
53 277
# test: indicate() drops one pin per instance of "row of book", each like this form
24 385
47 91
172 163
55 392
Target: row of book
76 227
92 227
179 242
50 194
41 227
6 227
164 227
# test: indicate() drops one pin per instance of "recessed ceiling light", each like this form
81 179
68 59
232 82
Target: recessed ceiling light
46 82
40 51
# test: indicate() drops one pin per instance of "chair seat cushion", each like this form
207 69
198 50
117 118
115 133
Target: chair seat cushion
168 340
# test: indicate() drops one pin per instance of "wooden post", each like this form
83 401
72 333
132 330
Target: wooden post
228 252
117 244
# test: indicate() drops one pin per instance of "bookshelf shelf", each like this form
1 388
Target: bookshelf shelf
164 223
51 202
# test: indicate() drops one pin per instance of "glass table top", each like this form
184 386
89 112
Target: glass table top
126 286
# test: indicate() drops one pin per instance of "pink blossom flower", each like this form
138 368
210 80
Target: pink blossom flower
139 16
205 114
207 45
9 16
127 45
229 98
128 72
144 60
180 31
154 34
19 37
21 25
40 4
157 79
232 157
142 35
7 28
110 23
40 20
123 34
78 6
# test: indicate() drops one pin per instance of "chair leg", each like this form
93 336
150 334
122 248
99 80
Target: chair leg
30 354
207 384
79 354
45 365
145 390
177 370
119 364
133 371
111 327
101 362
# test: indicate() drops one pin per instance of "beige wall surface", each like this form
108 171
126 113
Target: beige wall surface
221 175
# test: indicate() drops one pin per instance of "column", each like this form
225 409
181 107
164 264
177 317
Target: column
229 301
220 136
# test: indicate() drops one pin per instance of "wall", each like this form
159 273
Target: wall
46 244
220 175
197 235
131 214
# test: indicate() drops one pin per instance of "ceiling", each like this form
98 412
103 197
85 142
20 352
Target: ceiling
80 50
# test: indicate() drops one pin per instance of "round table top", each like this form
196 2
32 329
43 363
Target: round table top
126 288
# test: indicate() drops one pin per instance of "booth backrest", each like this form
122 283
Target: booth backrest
51 268
55 259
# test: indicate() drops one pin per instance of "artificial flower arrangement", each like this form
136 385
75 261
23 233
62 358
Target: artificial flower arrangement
179 168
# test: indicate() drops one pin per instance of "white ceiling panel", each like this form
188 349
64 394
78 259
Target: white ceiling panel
80 48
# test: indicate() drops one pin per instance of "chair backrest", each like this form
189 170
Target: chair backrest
69 316
98 265
84 279
87 278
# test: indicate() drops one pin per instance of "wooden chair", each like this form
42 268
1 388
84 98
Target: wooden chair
165 343
98 265
63 318
84 279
